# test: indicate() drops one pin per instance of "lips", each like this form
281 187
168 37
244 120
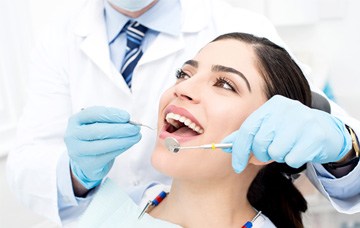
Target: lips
180 124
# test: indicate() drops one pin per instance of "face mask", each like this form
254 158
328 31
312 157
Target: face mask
131 5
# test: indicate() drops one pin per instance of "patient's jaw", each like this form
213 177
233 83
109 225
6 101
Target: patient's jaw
215 92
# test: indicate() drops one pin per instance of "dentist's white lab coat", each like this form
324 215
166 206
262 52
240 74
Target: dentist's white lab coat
71 70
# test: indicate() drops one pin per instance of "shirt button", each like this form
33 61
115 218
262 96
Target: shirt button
136 182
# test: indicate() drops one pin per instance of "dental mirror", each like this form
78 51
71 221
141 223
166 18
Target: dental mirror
172 144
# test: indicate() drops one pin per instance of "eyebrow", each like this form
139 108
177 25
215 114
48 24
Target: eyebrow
192 63
221 68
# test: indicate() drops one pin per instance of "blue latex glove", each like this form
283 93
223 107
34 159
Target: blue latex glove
285 130
94 138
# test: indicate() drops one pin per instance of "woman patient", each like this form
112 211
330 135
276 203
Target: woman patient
215 92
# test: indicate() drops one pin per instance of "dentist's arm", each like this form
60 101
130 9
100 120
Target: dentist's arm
94 138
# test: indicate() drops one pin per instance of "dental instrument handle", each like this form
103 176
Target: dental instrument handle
206 146
217 145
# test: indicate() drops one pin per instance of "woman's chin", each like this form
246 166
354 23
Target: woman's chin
170 163
161 159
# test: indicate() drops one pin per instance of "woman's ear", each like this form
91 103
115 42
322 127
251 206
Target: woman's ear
253 160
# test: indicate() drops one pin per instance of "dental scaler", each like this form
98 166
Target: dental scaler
174 146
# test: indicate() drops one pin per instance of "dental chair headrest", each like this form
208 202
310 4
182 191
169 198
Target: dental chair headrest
319 102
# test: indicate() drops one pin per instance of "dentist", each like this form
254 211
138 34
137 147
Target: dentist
87 80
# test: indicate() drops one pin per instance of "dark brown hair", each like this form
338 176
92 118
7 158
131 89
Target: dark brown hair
272 190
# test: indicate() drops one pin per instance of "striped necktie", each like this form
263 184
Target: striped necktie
135 33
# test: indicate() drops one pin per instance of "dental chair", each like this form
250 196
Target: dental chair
319 102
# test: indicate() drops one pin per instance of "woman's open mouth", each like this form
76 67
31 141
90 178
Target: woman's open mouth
180 126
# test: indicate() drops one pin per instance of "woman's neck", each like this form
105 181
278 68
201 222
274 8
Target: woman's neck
211 204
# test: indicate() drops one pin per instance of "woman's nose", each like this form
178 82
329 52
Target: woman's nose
189 89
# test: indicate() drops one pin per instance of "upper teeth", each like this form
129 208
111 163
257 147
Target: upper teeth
170 117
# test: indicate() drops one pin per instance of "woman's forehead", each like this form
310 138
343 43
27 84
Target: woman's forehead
226 50
229 52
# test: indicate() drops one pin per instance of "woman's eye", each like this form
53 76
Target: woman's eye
180 74
225 83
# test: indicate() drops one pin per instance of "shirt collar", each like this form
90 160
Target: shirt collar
170 11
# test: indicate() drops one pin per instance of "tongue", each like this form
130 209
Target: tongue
185 131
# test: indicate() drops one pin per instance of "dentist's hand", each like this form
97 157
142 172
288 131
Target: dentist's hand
287 131
94 138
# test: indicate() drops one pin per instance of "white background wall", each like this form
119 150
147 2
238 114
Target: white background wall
324 34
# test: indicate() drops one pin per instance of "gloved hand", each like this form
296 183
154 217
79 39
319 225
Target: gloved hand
285 130
94 138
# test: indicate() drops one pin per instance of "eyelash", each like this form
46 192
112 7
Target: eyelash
220 81
180 74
